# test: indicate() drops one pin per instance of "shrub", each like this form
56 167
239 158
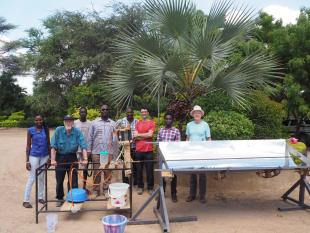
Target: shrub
92 113
2 118
8 124
267 115
228 125
26 123
53 122
17 116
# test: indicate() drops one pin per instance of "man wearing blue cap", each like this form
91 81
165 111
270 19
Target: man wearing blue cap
65 143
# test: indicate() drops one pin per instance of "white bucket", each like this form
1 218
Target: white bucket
118 194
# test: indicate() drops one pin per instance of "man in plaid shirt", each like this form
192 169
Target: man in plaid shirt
170 134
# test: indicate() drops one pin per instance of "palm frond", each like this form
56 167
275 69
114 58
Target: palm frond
240 21
123 82
237 80
218 33
144 43
217 15
171 17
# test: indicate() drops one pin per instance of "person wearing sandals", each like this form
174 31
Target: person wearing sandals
197 130
37 154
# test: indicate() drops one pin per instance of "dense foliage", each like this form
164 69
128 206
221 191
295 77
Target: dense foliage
228 125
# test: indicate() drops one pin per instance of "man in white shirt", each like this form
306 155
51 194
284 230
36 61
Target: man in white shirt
83 124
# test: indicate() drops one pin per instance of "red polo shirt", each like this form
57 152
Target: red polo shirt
144 127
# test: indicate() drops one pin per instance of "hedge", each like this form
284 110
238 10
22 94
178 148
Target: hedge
267 115
229 125
2 118
8 124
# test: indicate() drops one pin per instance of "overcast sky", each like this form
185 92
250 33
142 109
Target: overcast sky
25 14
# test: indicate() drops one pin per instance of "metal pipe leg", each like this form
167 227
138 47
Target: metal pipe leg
145 204
164 210
284 196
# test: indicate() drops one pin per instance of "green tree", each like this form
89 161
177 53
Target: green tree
12 96
76 50
291 44
182 52
91 96
46 100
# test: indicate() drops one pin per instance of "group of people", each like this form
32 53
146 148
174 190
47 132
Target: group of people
84 141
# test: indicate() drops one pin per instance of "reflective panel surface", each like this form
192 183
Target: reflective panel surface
228 155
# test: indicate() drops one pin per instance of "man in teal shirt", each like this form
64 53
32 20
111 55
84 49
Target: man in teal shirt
65 143
197 130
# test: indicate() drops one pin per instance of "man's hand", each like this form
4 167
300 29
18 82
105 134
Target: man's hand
84 161
136 134
28 166
53 163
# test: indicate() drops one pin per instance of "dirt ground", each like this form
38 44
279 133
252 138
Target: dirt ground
239 203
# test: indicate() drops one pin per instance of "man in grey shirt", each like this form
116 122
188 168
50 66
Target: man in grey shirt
101 138
83 124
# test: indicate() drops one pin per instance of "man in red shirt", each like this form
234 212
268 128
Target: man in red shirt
144 151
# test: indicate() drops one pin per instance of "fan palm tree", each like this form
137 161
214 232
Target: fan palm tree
187 54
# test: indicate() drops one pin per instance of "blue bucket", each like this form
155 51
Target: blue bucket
77 195
114 223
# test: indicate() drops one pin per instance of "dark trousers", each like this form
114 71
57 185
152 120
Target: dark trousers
134 169
61 170
85 172
173 185
202 185
145 158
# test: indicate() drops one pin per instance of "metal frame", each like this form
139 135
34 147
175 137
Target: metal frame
45 207
303 184
161 211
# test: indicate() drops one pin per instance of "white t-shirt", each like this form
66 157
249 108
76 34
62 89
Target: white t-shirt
84 127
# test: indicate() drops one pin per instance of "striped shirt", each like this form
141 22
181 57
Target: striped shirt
100 136
168 135
124 123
